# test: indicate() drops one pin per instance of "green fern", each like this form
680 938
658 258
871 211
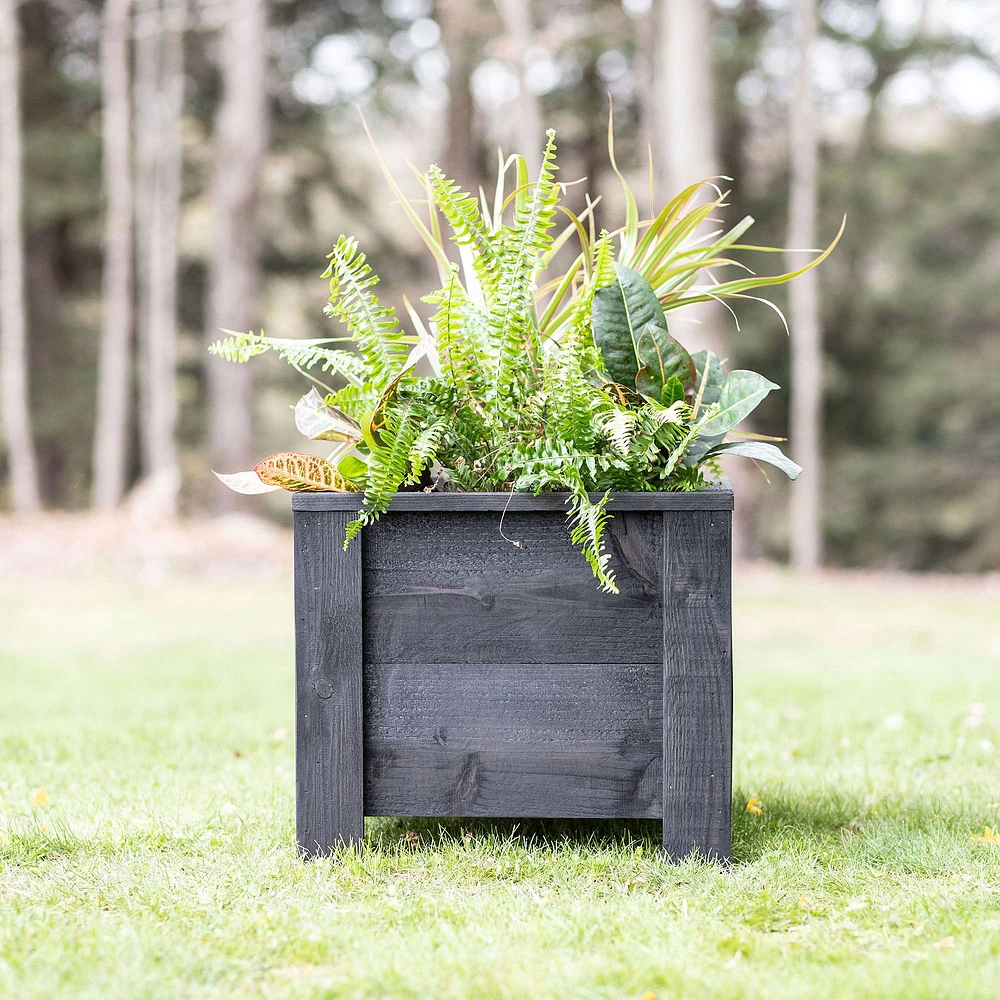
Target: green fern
520 397
373 326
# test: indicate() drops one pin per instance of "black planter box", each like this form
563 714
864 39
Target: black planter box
443 671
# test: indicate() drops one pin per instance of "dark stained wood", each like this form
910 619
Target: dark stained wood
443 671
448 588
329 765
502 739
697 684
711 498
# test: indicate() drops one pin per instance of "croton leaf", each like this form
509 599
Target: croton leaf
620 312
739 397
292 470
247 483
665 357
710 378
760 451
320 422
623 395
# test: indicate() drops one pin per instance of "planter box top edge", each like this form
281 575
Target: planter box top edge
715 497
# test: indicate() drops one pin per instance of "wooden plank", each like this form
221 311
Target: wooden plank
513 739
404 779
698 684
716 497
329 766
448 588
463 706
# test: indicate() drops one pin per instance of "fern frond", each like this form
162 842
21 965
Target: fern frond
587 523
373 326
462 212
303 354
512 325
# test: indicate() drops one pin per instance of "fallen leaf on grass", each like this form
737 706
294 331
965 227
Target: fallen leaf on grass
40 797
754 806
990 835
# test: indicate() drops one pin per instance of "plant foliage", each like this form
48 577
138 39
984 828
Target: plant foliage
522 380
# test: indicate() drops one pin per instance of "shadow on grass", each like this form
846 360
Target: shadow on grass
822 825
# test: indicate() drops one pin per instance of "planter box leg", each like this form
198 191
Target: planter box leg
697 684
329 776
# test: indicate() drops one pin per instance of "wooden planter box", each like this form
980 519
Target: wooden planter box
443 671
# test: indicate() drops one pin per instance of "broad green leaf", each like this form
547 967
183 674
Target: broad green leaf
620 312
673 391
320 422
247 483
292 470
762 452
353 468
739 398
665 357
711 378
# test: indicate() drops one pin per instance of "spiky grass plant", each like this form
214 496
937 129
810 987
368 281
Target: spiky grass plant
520 380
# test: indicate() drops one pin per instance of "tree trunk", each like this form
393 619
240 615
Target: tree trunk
459 158
241 139
807 361
685 130
113 390
529 137
686 152
159 102
14 406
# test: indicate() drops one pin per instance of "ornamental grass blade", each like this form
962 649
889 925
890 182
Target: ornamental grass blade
300 473
247 483
321 422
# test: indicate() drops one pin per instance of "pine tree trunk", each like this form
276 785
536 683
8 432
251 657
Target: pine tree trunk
686 149
114 383
458 156
159 98
807 361
529 136
15 413
241 140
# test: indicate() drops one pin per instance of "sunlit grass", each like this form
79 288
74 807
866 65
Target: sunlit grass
147 836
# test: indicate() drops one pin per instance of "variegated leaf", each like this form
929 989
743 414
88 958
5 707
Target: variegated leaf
247 483
300 473
320 422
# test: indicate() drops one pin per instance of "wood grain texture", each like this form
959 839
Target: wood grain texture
502 739
448 588
697 684
329 765
717 497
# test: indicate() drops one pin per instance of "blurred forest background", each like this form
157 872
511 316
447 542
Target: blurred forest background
169 167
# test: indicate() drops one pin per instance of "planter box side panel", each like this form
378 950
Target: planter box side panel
499 680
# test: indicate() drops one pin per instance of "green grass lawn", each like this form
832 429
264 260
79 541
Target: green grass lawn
147 834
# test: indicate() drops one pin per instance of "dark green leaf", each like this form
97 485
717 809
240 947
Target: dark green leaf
762 452
665 357
620 311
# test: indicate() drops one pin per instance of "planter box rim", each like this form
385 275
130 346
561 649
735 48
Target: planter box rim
715 497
